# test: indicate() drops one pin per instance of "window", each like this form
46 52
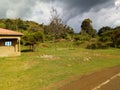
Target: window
8 43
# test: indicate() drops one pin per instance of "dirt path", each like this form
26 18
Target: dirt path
112 85
89 82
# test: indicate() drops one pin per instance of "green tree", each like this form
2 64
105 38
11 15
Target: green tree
39 36
2 25
9 24
106 36
103 30
110 37
28 40
33 39
116 37
86 27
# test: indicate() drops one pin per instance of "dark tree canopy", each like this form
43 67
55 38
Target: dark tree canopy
32 39
103 30
86 27
116 37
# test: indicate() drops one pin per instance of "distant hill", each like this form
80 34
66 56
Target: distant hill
21 25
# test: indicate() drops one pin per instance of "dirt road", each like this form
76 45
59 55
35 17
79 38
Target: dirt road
108 79
112 85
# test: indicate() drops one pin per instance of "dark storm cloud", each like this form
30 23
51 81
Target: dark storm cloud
82 5
71 7
78 7
85 4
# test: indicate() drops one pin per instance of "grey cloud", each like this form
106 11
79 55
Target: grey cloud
78 7
72 8
21 8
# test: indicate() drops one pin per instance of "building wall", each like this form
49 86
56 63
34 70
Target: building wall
13 50
8 51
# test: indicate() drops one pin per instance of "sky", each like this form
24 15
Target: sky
72 12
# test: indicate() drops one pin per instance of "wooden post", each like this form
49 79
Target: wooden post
19 49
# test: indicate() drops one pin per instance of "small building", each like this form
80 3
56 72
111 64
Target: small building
9 43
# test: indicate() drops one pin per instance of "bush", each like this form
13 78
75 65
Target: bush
98 45
78 43
82 38
39 36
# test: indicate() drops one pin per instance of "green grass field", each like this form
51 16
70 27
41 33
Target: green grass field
52 63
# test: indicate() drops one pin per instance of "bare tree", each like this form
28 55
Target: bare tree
56 23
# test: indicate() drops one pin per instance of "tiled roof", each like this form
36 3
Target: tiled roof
9 32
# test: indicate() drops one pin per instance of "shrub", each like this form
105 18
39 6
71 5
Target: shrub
98 45
82 38
78 43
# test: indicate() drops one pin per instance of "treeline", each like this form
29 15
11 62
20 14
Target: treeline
35 33
56 30
105 37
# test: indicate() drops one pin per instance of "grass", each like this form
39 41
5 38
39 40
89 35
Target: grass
50 65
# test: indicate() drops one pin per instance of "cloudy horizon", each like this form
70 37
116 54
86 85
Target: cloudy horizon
73 12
